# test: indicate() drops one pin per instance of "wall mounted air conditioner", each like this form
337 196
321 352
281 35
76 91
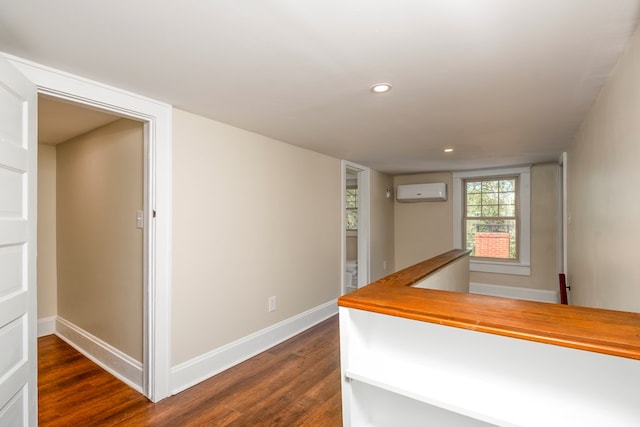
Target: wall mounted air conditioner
434 192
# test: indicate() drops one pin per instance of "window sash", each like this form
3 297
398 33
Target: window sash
492 218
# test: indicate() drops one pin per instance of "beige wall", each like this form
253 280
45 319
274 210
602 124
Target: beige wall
423 230
603 196
252 218
381 231
47 270
99 248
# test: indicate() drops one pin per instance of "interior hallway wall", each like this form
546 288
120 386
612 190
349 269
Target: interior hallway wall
603 178
252 217
99 249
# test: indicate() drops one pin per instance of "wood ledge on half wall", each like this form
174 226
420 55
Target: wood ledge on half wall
615 333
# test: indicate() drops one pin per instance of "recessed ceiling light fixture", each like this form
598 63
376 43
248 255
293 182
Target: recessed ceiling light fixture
448 150
380 88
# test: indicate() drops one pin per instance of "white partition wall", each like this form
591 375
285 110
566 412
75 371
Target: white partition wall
402 372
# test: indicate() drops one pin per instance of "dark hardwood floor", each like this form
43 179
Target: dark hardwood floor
296 383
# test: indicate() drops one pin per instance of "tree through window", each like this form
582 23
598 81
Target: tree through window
352 208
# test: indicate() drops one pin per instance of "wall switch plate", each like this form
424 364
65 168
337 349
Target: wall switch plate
139 219
272 304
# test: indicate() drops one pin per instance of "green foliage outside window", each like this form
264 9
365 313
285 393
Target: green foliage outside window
352 208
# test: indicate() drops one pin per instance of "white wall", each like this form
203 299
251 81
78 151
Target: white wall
253 218
603 194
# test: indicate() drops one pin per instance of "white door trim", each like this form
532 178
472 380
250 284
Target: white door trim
364 215
158 119
564 213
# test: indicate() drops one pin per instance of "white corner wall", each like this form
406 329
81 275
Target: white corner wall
603 178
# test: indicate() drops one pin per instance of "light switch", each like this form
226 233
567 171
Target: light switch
139 219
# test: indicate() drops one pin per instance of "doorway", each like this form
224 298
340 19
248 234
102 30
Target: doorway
91 248
156 117
355 226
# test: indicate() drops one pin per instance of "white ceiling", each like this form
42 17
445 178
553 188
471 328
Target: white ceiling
501 81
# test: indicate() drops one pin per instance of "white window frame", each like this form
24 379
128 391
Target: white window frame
521 267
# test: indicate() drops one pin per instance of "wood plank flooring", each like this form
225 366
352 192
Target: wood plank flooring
296 383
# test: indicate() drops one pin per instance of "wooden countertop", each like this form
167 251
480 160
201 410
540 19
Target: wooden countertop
610 332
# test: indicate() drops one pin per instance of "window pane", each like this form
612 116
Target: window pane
507 185
489 198
491 210
508 198
474 210
474 199
474 187
491 238
352 198
507 210
489 186
352 220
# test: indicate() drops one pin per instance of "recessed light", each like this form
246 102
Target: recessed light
380 88
448 150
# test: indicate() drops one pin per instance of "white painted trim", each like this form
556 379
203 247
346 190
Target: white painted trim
196 370
46 326
158 119
564 211
500 267
112 360
523 266
529 294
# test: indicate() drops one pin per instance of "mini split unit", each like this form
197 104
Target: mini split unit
434 192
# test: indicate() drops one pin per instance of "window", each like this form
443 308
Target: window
491 218
352 208
490 225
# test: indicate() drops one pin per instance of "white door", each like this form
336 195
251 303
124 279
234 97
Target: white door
18 166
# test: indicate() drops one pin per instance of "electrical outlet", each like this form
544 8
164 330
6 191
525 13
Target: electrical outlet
272 304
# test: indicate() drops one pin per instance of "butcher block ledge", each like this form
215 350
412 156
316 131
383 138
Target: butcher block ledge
609 332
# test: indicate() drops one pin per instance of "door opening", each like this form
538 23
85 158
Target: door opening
355 229
92 251
156 117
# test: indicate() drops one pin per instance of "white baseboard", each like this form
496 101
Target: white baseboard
514 292
112 360
46 326
196 370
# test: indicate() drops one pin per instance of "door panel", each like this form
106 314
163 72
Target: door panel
18 365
